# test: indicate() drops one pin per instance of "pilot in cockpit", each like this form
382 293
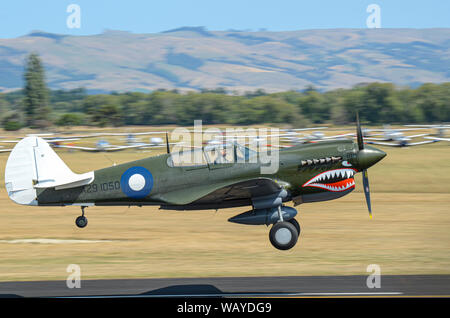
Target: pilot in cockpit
221 157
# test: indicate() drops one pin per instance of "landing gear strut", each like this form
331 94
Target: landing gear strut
284 234
81 221
285 230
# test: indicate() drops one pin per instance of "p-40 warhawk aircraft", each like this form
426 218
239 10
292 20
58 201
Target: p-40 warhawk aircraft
35 175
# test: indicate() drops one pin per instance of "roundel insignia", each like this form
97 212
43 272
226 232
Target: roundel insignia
136 182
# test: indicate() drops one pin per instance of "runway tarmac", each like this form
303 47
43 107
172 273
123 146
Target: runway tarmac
298 286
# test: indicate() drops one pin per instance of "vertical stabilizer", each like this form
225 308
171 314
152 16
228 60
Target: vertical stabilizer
33 164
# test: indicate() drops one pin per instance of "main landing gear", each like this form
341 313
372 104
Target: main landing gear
81 221
284 234
285 230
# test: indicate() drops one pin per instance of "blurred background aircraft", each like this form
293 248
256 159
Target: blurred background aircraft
285 138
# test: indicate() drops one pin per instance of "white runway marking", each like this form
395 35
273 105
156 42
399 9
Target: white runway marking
52 241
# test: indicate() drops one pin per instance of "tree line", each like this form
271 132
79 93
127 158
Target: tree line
377 103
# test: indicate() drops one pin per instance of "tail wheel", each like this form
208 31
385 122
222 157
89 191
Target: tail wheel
81 221
283 235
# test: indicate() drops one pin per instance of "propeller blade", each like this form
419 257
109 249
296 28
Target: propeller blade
367 190
167 143
359 135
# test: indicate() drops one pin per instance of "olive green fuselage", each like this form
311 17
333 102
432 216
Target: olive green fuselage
180 186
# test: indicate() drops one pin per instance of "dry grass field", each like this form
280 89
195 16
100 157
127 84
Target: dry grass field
409 233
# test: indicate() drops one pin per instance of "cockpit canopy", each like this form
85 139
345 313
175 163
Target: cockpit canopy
212 155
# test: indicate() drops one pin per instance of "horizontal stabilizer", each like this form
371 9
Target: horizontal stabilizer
68 182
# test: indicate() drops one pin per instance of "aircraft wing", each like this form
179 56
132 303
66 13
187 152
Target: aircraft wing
279 146
374 138
255 136
109 149
338 136
129 133
120 148
94 135
253 146
150 133
399 145
438 138
158 145
220 195
61 139
305 129
390 144
422 143
409 129
79 148
420 135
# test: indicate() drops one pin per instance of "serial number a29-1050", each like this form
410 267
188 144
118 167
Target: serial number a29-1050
106 186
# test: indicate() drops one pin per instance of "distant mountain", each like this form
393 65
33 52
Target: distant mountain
193 58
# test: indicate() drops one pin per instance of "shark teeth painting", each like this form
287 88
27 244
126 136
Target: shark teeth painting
336 180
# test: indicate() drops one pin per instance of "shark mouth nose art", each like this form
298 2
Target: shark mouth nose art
336 180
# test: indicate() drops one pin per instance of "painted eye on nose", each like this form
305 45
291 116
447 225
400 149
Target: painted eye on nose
345 163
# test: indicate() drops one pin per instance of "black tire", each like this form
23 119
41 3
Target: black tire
283 235
81 221
295 223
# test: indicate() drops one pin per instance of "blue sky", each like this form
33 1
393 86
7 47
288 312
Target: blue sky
19 17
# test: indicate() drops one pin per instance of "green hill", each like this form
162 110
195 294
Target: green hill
192 58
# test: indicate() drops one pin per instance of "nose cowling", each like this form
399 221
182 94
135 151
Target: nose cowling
369 156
